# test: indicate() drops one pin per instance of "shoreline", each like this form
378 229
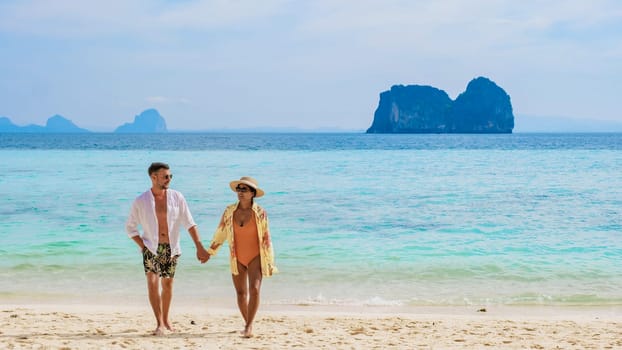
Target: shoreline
607 312
117 326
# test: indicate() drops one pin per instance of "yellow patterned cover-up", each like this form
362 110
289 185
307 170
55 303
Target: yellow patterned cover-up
225 232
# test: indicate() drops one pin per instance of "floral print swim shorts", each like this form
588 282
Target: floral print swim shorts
162 264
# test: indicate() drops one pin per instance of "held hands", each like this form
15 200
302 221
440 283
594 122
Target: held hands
202 254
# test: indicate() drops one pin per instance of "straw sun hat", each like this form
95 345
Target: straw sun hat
249 181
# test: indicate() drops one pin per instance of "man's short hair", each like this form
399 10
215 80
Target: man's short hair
154 167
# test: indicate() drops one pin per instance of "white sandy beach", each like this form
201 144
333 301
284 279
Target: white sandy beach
48 326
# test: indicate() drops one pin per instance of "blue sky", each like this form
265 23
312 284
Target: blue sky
305 64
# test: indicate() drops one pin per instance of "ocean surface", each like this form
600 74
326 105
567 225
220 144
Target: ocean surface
356 219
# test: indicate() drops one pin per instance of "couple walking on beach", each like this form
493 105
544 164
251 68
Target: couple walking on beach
162 212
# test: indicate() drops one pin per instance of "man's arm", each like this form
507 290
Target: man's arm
202 255
139 241
131 226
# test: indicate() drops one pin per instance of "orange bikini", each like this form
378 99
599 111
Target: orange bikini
246 241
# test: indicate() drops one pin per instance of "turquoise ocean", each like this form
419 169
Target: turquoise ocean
356 219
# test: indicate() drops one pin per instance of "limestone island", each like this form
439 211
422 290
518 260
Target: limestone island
483 108
54 124
149 121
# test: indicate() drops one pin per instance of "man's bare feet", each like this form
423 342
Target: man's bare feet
158 331
169 327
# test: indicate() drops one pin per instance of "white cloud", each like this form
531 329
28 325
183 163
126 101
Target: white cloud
140 18
452 22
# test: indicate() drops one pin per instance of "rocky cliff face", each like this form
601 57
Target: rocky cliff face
411 109
483 108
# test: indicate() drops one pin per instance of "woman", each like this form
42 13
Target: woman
244 225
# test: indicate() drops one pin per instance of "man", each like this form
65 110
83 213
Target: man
161 212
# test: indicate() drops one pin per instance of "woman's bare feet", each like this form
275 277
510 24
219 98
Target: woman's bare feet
247 332
169 327
158 331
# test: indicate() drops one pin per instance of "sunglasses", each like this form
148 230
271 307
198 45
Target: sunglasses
168 177
242 189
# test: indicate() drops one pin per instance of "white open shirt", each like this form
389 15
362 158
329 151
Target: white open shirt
143 213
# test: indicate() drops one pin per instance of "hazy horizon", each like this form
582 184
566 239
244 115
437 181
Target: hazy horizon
523 124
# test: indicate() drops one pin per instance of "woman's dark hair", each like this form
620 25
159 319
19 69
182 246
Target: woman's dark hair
154 167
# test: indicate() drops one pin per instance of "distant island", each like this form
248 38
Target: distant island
149 121
55 124
483 108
